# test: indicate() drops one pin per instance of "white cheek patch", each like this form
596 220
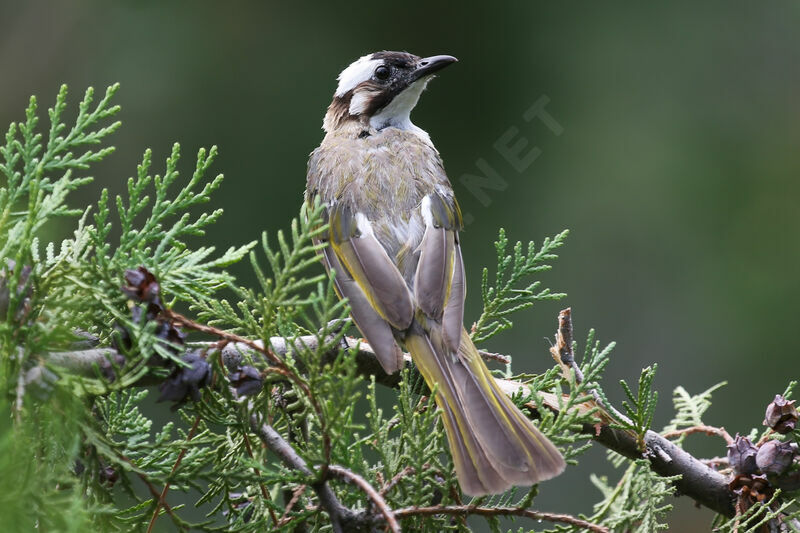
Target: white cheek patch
359 102
359 71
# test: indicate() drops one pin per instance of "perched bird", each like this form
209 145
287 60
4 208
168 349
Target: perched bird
395 249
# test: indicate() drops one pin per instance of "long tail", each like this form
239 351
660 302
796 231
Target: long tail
494 446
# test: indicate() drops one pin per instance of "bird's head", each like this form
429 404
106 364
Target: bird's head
381 89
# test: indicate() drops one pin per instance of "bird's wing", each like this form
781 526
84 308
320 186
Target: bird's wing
439 287
364 274
379 295
372 325
360 252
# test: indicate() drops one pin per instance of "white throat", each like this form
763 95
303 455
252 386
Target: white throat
398 113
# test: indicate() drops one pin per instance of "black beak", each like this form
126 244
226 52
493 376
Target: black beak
429 65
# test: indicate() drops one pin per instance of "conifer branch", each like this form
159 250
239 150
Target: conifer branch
296 389
698 480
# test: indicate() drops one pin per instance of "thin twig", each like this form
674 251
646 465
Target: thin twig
222 334
370 491
157 497
276 361
163 497
220 345
708 430
339 514
562 349
153 491
491 356
765 438
407 471
563 354
466 510
20 391
284 519
264 493
715 461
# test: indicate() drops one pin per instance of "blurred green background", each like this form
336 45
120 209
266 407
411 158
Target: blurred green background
676 169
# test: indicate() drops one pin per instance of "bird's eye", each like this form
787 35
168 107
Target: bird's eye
382 73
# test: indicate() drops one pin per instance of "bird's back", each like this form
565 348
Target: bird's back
385 175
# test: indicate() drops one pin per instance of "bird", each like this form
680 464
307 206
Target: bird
393 243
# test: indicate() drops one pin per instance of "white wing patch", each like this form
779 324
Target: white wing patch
358 71
425 209
363 224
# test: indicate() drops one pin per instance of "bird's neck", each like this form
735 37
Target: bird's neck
338 116
361 129
397 114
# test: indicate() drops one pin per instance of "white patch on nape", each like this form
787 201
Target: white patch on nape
398 113
359 71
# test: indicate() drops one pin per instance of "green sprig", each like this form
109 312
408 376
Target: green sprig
505 297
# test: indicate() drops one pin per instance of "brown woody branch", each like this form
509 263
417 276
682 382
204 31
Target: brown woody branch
407 471
162 498
698 481
284 519
466 510
369 490
708 430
